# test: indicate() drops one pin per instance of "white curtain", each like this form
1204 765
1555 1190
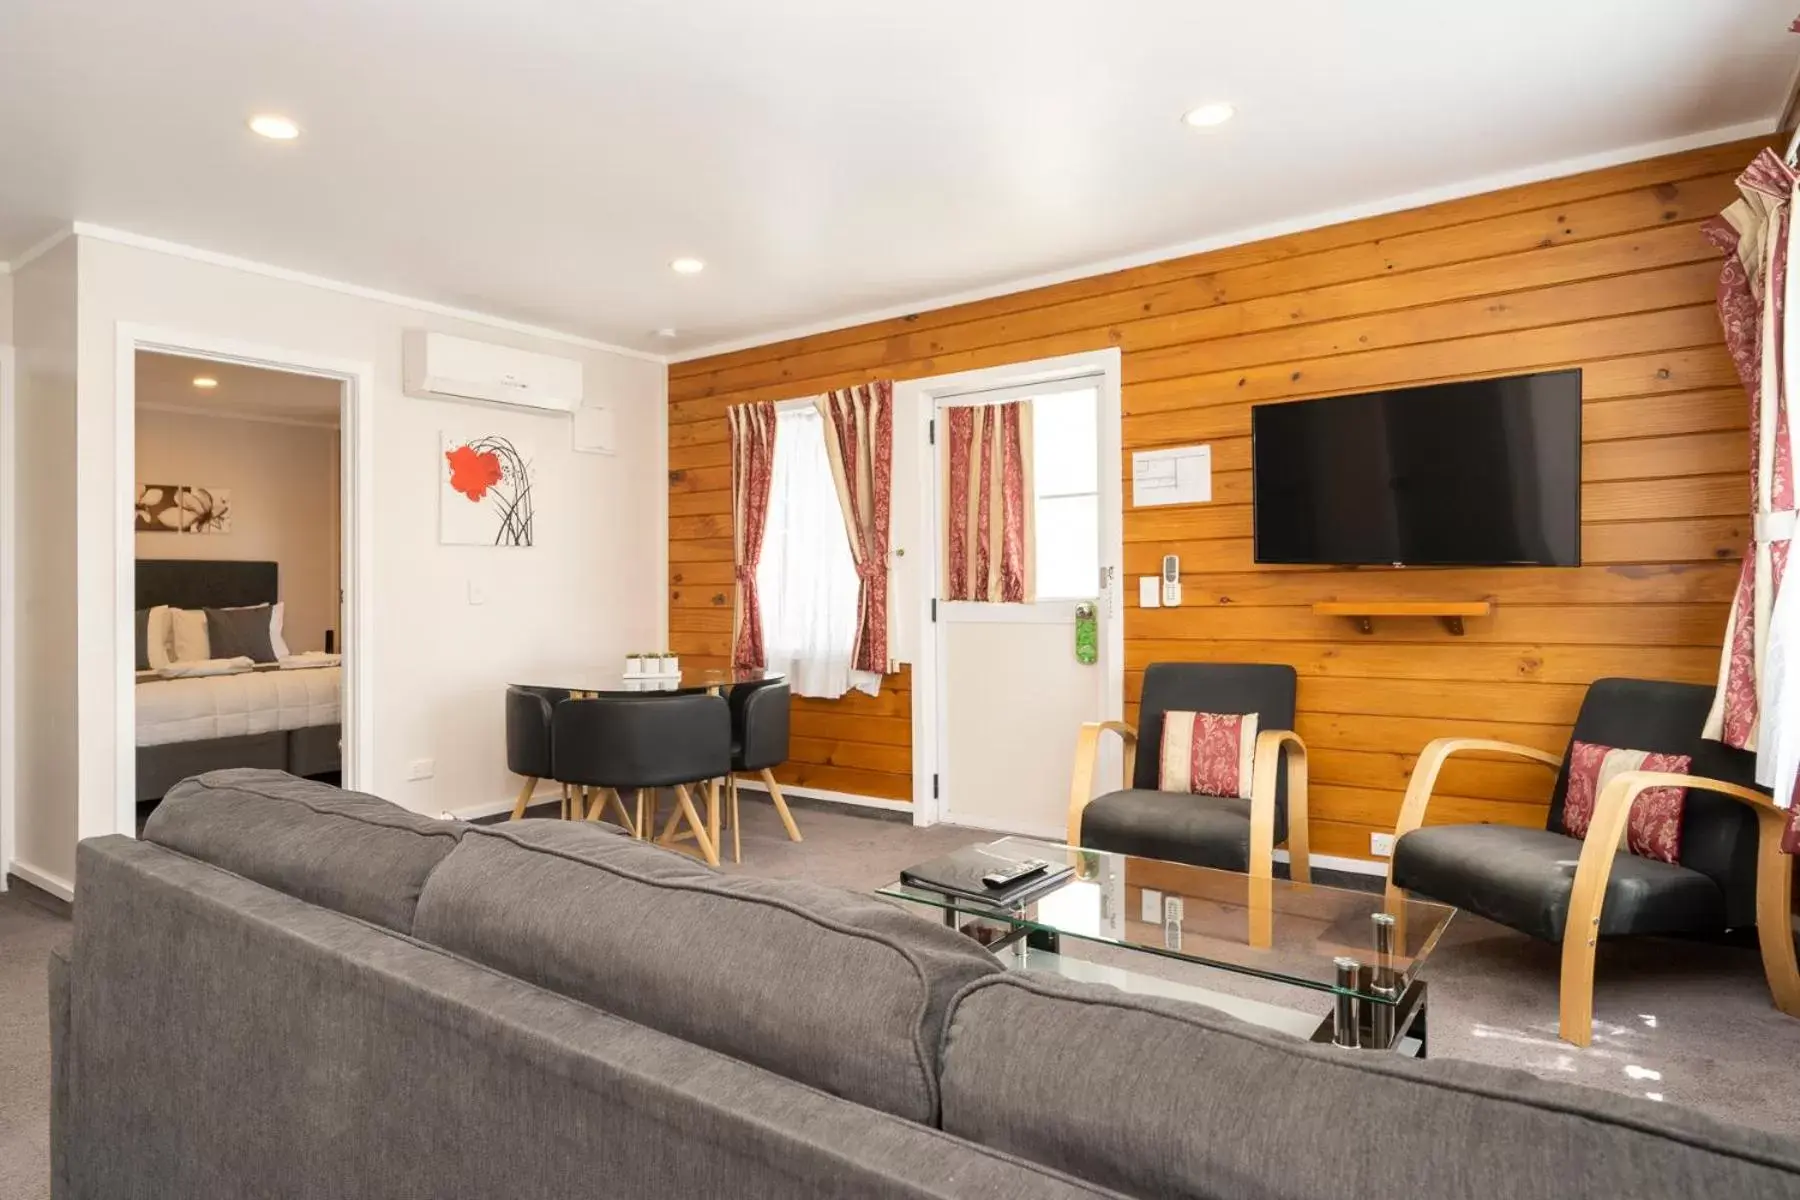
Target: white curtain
806 580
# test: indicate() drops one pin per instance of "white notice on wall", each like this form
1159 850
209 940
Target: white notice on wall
1182 475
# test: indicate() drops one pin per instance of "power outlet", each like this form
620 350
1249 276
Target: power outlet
421 768
1381 845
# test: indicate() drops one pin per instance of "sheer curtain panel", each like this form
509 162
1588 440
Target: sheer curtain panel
807 579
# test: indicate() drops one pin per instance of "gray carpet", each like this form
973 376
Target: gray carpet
26 935
1687 1023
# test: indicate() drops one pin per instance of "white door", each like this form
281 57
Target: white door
1011 691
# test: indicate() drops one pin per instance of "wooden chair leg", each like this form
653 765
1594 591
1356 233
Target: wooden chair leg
737 848
708 849
1575 1021
618 802
642 831
714 812
781 808
524 800
1774 919
563 812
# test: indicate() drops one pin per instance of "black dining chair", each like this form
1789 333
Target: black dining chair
641 744
528 740
759 742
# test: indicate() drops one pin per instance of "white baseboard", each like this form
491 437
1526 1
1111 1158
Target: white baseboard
1331 862
749 784
477 811
56 885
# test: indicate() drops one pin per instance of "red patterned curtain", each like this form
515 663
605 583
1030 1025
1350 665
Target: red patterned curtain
988 511
1750 709
752 470
859 441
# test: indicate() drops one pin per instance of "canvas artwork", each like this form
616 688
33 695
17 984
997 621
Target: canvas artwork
484 492
182 508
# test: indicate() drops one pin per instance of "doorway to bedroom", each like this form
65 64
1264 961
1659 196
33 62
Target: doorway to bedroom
238 580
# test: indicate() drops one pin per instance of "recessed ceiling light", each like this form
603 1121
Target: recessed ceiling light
665 333
687 266
1208 115
205 382
274 125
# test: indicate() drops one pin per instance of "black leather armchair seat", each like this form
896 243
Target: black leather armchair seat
1729 875
1522 878
1211 831
1229 833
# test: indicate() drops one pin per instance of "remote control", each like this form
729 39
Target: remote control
1014 873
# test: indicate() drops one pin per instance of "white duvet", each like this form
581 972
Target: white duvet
216 706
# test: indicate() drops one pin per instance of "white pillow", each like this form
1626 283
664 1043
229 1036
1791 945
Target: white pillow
188 638
210 666
158 633
277 643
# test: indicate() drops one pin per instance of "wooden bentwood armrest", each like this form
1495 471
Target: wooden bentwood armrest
1270 744
1423 782
1087 753
1774 893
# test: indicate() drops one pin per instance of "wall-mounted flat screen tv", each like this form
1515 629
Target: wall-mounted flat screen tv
1481 473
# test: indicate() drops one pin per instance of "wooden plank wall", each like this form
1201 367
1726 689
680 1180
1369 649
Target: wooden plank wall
1606 271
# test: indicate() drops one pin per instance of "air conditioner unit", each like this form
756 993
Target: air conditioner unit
441 367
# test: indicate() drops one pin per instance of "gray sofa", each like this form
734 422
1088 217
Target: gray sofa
287 990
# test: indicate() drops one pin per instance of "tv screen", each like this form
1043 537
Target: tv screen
1482 473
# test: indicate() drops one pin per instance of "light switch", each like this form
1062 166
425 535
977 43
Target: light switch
1151 907
1150 591
477 593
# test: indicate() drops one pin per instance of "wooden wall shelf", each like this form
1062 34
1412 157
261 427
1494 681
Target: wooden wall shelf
1364 612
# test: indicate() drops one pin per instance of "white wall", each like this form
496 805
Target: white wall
284 500
46 761
590 590
6 309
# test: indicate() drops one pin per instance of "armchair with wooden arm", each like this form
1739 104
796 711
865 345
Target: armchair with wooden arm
1222 832
1423 782
1774 892
1727 873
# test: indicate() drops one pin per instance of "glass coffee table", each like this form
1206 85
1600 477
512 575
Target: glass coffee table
1168 929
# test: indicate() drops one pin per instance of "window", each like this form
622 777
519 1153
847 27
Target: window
806 581
1065 464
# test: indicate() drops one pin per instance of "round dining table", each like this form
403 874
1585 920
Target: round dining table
584 683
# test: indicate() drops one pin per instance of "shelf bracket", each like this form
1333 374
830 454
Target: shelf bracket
1454 625
1366 624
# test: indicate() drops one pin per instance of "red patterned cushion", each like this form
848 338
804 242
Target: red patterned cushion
1654 829
1209 754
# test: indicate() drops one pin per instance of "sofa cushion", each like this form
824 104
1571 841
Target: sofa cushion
1522 878
342 850
1162 1098
843 992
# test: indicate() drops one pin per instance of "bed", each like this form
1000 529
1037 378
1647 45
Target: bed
286 719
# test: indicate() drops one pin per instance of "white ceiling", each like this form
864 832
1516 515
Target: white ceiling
166 382
544 160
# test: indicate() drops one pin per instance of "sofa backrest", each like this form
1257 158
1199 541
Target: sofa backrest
219 1038
1163 1098
840 991
348 851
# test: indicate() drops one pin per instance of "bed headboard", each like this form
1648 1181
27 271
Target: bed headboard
200 583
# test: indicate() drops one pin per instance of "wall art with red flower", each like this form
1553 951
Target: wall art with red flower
484 492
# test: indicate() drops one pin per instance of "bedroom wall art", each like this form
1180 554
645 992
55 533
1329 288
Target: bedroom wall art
182 508
484 492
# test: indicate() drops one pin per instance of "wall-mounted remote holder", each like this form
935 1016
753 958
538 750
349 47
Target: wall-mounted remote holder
1171 581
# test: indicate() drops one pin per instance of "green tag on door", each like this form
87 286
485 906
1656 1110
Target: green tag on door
1087 635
